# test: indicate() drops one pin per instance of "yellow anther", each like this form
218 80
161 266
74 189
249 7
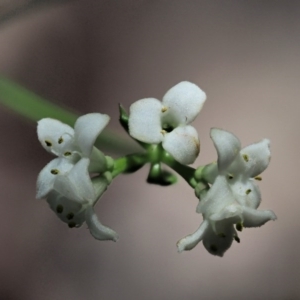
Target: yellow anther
49 144
54 171
246 157
258 178
60 140
164 109
248 191
163 132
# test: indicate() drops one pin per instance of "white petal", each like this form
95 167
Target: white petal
256 158
97 230
145 120
192 240
227 146
256 218
183 144
184 102
67 210
49 174
77 185
218 197
53 135
87 128
218 244
246 193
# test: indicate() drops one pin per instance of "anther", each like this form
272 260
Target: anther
70 216
163 132
230 176
54 171
239 226
59 209
248 191
236 238
246 157
48 144
164 109
68 153
60 140
71 224
258 178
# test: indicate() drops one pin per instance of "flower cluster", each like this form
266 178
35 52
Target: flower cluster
234 197
229 197
65 181
167 122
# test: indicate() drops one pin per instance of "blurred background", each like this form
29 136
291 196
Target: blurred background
91 55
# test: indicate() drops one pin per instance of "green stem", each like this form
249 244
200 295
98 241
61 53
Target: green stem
130 163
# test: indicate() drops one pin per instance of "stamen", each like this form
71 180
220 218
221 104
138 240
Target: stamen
236 238
71 224
68 153
163 132
246 157
70 216
258 178
48 144
54 171
60 140
239 226
59 209
164 109
248 191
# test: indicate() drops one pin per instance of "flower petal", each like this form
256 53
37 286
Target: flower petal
49 174
87 128
256 158
184 102
256 218
53 135
145 121
218 244
97 230
227 146
77 185
183 144
192 240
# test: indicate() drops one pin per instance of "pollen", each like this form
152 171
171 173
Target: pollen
246 157
54 171
48 144
248 191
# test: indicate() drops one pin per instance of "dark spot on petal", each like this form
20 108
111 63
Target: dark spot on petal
70 216
54 171
48 144
71 224
59 209
60 140
213 248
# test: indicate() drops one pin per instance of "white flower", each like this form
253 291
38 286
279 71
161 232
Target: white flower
73 196
167 122
233 197
70 145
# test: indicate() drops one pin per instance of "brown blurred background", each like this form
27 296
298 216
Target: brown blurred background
91 55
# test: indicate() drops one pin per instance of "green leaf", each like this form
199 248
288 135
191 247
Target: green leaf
34 108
